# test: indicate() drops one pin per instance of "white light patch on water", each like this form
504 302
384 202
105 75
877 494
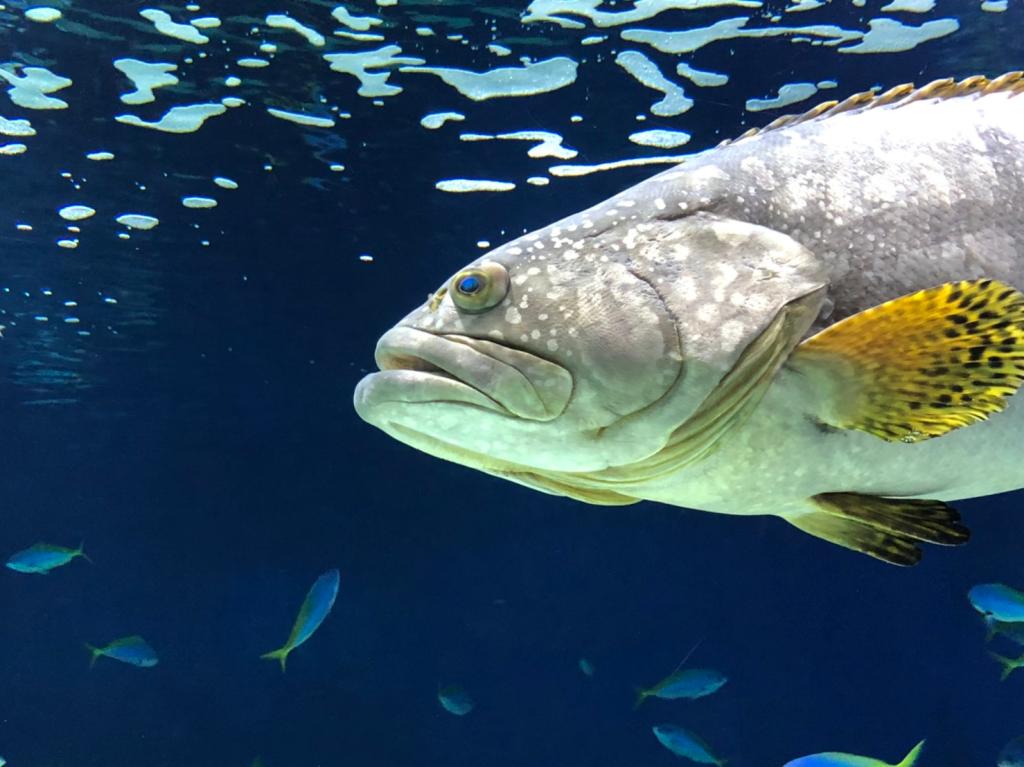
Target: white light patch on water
146 77
268 48
804 5
550 144
483 243
690 40
358 23
363 37
199 202
701 78
165 25
424 31
231 102
301 118
826 84
16 127
647 73
12 149
788 94
68 244
371 84
99 156
24 227
225 183
572 171
251 62
464 185
435 120
284 21
76 212
528 80
593 39
665 139
42 14
205 22
30 89
232 81
994 6
889 36
499 50
187 119
137 221
556 10
337 168
387 3
908 6
538 180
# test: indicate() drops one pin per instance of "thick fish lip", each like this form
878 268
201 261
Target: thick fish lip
421 367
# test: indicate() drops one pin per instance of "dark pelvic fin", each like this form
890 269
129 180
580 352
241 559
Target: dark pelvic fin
884 528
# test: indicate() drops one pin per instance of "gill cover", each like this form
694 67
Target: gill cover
742 297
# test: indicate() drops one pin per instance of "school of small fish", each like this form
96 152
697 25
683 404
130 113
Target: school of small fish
1000 606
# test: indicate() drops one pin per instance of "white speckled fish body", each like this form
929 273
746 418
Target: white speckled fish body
655 331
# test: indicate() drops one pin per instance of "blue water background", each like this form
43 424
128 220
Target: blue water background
208 455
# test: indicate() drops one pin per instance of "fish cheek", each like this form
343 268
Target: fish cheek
625 343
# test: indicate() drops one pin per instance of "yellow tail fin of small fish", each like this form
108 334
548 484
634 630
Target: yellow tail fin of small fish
279 655
641 696
80 552
911 759
1009 664
924 364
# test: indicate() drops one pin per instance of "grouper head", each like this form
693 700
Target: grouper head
589 356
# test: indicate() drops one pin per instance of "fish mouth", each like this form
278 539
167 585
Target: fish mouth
419 367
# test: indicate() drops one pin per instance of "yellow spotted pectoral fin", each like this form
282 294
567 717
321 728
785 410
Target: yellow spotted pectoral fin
924 364
885 528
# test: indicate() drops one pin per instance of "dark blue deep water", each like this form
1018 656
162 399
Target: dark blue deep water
197 432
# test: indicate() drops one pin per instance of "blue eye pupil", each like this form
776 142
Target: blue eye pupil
470 284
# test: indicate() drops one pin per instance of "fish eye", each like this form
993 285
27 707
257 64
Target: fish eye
480 288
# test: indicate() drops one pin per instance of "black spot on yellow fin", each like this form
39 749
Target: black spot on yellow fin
884 528
924 364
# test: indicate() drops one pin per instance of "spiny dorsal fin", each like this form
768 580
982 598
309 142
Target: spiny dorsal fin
900 95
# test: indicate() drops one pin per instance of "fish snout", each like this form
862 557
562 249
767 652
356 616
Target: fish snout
422 367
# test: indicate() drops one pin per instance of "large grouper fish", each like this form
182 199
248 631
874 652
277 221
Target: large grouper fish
819 320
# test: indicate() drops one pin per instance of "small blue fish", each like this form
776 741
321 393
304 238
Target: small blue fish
691 683
43 557
586 667
1012 754
998 600
833 759
133 650
317 605
455 700
685 744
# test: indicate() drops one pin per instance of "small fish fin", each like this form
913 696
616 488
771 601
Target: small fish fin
641 696
911 759
94 653
80 552
885 528
279 655
990 628
1009 664
924 364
